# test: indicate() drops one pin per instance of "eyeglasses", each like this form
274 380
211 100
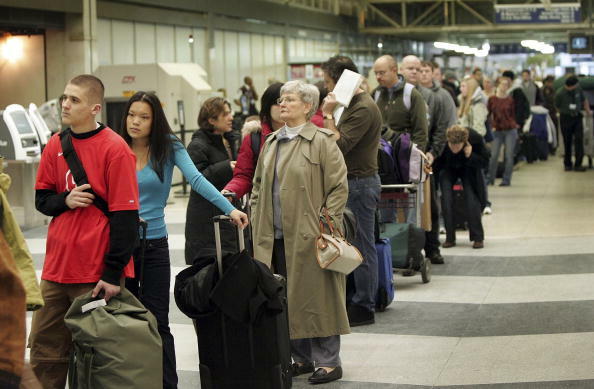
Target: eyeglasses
287 100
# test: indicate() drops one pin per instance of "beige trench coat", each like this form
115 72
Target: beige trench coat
311 173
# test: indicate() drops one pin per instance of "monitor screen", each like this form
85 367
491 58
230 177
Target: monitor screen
22 123
579 42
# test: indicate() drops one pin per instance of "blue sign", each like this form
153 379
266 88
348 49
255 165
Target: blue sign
538 13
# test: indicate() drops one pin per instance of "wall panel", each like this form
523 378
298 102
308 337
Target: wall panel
200 47
145 43
183 50
123 34
217 62
258 62
232 75
165 43
104 41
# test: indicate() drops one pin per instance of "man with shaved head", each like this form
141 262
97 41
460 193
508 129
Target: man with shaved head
94 225
402 107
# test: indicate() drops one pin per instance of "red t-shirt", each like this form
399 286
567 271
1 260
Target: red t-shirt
78 239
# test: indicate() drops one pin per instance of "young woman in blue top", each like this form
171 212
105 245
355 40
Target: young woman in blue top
157 150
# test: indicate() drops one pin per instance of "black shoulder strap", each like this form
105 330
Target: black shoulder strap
256 142
78 171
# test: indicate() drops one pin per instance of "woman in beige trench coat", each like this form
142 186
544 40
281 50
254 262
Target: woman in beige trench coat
300 170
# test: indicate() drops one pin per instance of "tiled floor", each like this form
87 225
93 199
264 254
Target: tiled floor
517 314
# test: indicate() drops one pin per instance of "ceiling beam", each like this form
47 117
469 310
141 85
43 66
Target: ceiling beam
424 14
418 1
382 15
475 28
474 12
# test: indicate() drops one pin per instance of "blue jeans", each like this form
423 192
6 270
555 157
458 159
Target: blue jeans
509 138
155 288
363 198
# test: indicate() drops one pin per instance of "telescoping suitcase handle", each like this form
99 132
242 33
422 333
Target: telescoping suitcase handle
217 228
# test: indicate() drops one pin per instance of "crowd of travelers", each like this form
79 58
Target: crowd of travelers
293 159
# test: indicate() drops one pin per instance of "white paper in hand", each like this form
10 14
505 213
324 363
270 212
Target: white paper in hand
347 85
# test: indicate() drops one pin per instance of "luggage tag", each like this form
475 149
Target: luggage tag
93 304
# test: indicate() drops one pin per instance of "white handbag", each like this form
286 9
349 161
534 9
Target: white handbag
333 251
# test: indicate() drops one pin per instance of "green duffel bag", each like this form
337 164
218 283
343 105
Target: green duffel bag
116 345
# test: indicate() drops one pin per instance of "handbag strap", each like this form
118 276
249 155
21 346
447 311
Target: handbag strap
78 171
333 229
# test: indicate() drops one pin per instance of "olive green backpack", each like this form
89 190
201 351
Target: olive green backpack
116 345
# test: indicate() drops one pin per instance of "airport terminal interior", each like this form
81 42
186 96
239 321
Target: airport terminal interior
518 313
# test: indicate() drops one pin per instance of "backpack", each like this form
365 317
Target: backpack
385 163
406 96
408 160
256 138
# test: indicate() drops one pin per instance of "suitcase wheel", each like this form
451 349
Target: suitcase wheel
426 271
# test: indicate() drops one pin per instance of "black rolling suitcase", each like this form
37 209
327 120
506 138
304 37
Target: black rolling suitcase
529 147
235 354
459 207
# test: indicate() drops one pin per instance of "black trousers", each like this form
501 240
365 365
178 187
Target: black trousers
279 261
155 288
447 178
432 237
573 131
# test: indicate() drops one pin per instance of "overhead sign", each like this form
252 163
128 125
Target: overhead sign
516 48
538 13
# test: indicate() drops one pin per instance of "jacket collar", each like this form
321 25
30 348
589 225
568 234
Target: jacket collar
307 132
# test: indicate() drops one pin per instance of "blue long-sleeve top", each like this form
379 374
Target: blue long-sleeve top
154 193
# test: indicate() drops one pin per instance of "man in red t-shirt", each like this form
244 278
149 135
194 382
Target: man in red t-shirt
85 249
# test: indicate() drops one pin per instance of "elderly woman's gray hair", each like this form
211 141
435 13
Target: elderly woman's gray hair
308 93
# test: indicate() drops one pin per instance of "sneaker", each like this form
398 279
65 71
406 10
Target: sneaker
487 210
359 316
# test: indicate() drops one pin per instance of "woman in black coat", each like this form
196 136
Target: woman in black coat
212 156
464 158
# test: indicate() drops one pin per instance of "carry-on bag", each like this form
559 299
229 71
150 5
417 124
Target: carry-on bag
385 291
117 344
406 237
529 147
460 220
407 242
240 346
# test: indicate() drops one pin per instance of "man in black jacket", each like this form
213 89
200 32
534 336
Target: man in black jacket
463 159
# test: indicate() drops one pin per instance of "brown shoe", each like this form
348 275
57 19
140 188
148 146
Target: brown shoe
447 245
478 244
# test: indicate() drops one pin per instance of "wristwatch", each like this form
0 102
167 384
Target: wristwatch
328 116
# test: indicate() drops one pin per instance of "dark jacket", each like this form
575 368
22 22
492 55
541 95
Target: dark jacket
521 106
398 117
247 289
211 158
443 116
452 89
471 167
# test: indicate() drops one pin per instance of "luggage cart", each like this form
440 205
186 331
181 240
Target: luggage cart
399 203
